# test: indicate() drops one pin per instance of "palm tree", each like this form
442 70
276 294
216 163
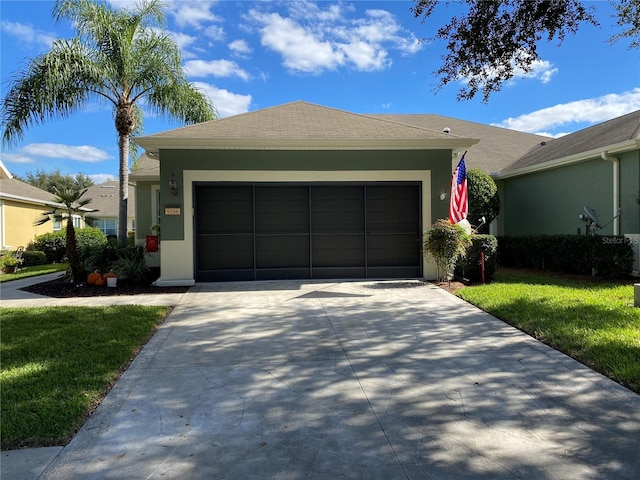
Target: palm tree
71 204
118 57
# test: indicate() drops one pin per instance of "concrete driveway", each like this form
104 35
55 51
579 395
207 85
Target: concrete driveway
357 380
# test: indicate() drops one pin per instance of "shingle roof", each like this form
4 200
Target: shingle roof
604 136
300 124
498 147
104 199
19 190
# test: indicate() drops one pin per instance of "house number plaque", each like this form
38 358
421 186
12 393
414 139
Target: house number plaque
172 210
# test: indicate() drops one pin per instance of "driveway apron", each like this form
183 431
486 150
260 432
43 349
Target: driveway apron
355 380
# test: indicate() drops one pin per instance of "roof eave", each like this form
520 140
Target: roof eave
614 149
154 145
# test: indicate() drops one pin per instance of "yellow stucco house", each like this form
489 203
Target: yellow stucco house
21 206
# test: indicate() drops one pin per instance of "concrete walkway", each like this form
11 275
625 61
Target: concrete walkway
362 380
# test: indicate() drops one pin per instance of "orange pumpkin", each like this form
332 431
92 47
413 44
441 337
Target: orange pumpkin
111 274
101 282
93 277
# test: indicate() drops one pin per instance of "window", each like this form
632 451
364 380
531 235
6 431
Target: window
57 224
107 226
77 221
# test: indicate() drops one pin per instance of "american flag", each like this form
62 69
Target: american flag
459 204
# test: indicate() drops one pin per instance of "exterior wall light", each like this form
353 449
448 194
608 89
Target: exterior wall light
173 185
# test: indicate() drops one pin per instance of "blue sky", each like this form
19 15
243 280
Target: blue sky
360 56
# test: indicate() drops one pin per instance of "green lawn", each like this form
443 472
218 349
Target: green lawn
57 363
592 321
33 271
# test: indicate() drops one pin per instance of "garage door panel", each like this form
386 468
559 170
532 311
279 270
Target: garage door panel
225 252
282 210
282 251
336 250
225 210
393 209
337 209
392 250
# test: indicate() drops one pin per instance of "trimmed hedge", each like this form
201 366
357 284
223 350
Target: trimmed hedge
603 256
54 244
33 258
470 267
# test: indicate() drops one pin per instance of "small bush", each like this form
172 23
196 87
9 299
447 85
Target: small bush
470 268
445 243
131 264
53 244
33 258
90 239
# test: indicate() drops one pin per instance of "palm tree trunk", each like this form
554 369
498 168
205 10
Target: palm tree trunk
72 251
123 144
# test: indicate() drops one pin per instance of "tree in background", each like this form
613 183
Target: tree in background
496 39
118 57
71 205
49 181
484 200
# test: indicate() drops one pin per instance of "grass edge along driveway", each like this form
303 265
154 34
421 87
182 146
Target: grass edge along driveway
593 321
58 363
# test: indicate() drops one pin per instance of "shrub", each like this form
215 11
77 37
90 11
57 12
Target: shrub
470 268
606 256
33 258
445 243
484 200
131 264
90 239
53 244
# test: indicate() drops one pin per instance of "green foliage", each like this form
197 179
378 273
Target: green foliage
445 243
33 258
33 271
131 264
52 244
49 180
90 239
469 267
8 260
491 41
484 200
580 254
57 363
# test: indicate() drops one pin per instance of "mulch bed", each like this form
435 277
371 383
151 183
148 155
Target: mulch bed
62 288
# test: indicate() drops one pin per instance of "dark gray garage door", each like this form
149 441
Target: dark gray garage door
287 231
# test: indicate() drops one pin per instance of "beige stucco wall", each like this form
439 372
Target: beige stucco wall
17 223
177 256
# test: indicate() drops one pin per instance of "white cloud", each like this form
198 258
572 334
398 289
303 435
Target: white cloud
240 48
27 34
542 70
216 68
215 32
312 40
193 14
226 103
83 153
17 158
591 110
99 178
302 49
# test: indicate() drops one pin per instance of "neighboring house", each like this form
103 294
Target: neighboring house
105 200
498 147
545 191
294 191
21 206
